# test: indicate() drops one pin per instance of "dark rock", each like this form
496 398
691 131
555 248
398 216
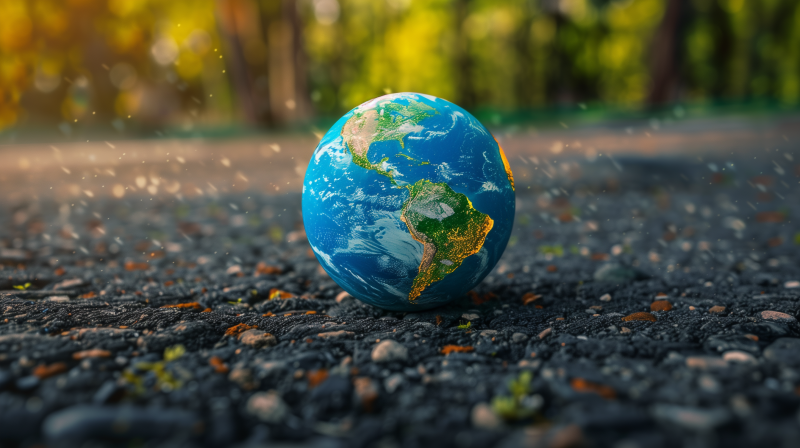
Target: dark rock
724 343
785 351
618 273
766 331
82 423
691 418
109 392
193 335
334 394
27 383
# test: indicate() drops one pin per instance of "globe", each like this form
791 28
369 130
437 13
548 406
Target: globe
408 202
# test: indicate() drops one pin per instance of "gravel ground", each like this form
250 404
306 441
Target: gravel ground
641 303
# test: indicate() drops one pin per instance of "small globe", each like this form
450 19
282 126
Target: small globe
408 202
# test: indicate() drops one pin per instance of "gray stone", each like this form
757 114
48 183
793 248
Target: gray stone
766 331
108 392
785 351
617 273
335 391
728 342
257 339
344 298
268 407
388 351
483 417
82 423
739 356
691 418
27 383
776 316
519 337
393 382
335 334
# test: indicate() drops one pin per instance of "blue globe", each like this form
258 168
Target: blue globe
408 202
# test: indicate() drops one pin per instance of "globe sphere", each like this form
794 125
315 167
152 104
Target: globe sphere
408 202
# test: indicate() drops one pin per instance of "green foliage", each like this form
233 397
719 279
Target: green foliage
497 55
557 250
516 406
174 352
465 326
276 234
164 379
521 386
513 241
182 211
22 287
797 238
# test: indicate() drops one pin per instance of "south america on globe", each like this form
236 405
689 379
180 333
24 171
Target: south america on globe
408 202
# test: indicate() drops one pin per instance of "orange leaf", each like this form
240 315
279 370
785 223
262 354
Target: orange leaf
641 316
316 377
581 385
447 349
194 305
44 371
236 330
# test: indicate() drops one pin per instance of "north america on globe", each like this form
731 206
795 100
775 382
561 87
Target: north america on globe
408 202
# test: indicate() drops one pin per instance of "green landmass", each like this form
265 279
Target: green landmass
447 225
385 121
400 154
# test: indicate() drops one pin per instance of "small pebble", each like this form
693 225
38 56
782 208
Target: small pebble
545 333
640 316
696 419
519 337
344 298
257 339
269 407
660 305
777 316
705 362
389 351
605 298
366 391
716 309
335 334
739 356
393 382
483 417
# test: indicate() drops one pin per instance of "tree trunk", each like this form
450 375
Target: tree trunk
288 89
229 27
664 61
464 91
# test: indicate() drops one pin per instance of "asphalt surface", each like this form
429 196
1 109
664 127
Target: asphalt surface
642 302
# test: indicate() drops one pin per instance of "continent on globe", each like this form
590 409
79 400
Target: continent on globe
388 121
447 225
408 202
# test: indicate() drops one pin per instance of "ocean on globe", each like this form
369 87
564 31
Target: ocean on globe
408 202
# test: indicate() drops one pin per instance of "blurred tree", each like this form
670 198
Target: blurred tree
665 54
70 63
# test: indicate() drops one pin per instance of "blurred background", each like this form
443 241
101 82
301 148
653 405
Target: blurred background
179 99
71 69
